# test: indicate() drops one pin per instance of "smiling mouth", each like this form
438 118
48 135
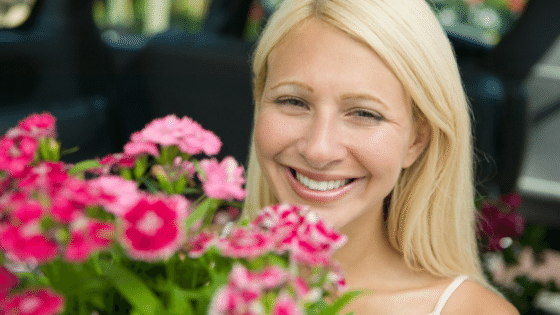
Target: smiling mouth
320 185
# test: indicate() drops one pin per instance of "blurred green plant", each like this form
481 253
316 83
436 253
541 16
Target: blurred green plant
487 20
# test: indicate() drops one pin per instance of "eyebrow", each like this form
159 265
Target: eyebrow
296 83
365 97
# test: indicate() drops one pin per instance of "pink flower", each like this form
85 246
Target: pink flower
39 125
153 228
16 154
69 202
240 295
86 236
137 147
26 243
35 302
185 133
271 277
222 180
166 131
115 193
246 243
197 140
47 177
200 243
286 305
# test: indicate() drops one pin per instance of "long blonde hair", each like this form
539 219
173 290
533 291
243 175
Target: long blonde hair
431 216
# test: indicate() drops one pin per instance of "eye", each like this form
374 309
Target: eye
290 101
367 115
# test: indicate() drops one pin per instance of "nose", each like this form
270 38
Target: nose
321 144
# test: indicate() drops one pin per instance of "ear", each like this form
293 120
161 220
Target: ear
419 141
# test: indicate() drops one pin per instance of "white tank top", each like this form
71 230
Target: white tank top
447 294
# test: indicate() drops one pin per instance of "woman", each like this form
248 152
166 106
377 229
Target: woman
360 114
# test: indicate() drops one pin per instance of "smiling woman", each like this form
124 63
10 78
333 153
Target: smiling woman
360 114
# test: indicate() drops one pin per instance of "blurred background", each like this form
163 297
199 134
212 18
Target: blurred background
105 68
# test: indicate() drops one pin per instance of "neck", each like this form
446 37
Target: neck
368 252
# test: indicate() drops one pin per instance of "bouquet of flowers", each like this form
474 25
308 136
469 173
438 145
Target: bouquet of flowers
152 230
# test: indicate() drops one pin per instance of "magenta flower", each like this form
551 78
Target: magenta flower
222 180
39 125
69 202
26 243
115 193
35 302
246 243
153 228
200 243
7 281
86 236
286 305
499 222
47 177
16 154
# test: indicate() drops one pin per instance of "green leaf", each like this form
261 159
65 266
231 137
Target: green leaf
340 303
134 290
126 173
180 184
179 302
199 213
84 166
140 167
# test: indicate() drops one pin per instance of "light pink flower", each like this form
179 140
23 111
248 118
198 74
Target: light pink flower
185 133
245 243
39 125
166 131
115 193
153 228
200 243
137 147
222 180
286 305
86 236
196 140
16 154
35 302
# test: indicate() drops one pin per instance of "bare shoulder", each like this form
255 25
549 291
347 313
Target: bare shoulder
473 298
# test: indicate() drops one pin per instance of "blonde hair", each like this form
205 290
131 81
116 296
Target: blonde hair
431 216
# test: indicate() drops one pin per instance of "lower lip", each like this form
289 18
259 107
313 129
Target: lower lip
317 195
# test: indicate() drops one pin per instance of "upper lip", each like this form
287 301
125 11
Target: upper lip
320 176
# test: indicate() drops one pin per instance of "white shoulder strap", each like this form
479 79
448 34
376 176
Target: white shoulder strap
448 292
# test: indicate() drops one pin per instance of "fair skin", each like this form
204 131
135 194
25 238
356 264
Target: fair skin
336 139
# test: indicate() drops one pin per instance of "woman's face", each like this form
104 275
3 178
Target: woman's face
334 128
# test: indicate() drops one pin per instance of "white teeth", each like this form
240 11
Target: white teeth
322 186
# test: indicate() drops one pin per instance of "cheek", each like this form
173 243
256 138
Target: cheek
272 134
382 153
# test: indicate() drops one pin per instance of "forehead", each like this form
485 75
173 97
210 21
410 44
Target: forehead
317 52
